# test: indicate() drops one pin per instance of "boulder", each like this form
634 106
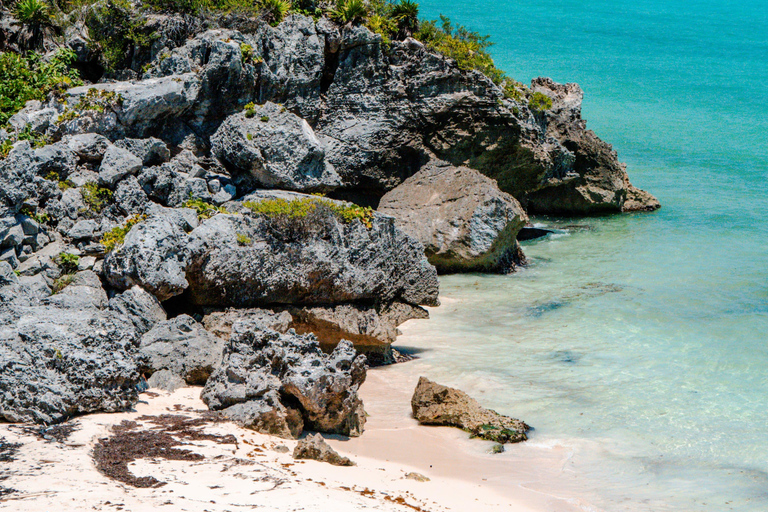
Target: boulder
152 256
434 404
85 291
117 164
56 363
151 151
278 148
280 383
464 221
219 323
314 259
140 307
183 347
83 229
89 147
314 447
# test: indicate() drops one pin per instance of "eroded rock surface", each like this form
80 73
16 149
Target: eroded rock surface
460 216
314 447
434 404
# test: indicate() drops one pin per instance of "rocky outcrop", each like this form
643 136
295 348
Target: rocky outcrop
304 260
277 148
314 447
434 404
182 347
460 216
60 358
598 182
281 383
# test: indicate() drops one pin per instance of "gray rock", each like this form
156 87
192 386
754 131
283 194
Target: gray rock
314 447
464 221
311 260
151 151
140 307
89 147
166 380
183 347
261 366
277 148
9 256
219 323
83 229
153 256
129 196
434 404
57 363
117 164
85 291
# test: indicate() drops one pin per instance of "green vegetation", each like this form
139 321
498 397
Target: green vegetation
467 48
250 109
68 262
95 100
36 139
30 77
350 11
275 10
301 208
95 197
243 239
539 102
62 282
204 210
118 30
406 16
36 23
246 52
115 237
264 119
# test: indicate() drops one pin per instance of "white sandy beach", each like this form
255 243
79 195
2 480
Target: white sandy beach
49 475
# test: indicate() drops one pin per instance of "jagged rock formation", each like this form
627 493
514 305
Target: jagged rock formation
434 404
282 383
314 447
460 216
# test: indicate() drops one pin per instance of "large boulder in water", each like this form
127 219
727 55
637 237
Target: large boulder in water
435 404
280 383
460 216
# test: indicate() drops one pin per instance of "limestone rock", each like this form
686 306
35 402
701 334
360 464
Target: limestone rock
460 216
279 383
140 307
183 347
151 151
316 259
117 164
89 147
279 149
152 256
314 447
434 404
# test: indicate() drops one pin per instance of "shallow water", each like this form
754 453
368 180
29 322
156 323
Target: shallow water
644 336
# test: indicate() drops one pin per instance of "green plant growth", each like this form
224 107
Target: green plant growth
115 237
94 100
264 119
62 282
350 11
250 110
274 11
36 23
30 77
95 197
243 240
405 14
68 262
204 210
300 208
467 48
246 52
119 30
540 102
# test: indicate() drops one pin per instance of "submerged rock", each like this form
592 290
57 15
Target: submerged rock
280 383
434 404
314 447
464 221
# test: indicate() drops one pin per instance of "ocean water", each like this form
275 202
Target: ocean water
641 340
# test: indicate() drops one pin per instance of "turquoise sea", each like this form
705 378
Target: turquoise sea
640 339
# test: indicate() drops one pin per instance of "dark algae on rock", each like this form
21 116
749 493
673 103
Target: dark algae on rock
247 199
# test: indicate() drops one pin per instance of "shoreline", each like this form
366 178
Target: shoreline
63 475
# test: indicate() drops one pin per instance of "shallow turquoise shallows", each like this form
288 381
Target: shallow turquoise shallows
646 334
